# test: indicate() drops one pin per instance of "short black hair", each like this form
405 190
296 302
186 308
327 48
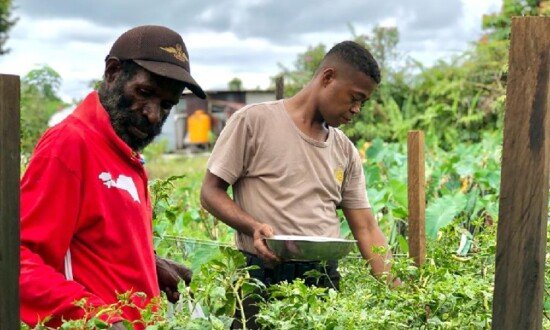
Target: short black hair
357 56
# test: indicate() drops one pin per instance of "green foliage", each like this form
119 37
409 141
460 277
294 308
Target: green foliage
95 84
445 294
382 43
221 284
235 84
177 212
155 150
6 23
43 81
499 24
459 104
305 66
161 166
101 318
451 102
460 184
39 101
452 290
442 212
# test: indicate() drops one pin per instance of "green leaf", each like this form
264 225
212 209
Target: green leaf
375 148
399 193
202 254
465 243
442 211
345 231
403 244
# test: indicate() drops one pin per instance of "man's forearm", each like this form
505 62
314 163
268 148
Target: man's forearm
368 242
214 198
217 202
366 231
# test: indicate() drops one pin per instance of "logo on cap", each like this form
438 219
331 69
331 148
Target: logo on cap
177 52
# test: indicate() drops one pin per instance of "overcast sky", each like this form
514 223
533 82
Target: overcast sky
229 38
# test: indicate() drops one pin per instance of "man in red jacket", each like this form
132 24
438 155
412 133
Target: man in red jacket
86 229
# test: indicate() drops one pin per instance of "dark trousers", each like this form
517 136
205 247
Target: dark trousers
284 271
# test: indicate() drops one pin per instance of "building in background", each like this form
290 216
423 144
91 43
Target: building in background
218 105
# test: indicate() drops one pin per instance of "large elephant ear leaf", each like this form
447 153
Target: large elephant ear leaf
442 211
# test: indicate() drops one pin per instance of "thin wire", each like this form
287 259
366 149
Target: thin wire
218 244
215 243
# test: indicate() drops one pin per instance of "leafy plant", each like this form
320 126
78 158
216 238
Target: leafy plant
39 100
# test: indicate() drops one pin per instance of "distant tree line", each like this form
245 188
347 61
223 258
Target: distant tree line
455 100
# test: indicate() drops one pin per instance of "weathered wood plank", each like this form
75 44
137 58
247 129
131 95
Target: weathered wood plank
523 210
9 202
279 87
416 197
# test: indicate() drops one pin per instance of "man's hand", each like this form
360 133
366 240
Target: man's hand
261 231
396 282
169 274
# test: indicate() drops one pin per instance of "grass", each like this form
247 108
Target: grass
177 164
161 166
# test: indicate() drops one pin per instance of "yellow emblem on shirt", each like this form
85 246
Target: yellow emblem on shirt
339 174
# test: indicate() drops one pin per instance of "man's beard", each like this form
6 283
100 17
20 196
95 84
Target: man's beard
122 117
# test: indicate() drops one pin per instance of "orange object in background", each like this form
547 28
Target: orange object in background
199 127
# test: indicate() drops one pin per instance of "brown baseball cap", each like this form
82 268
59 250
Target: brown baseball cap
159 50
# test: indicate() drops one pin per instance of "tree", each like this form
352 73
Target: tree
6 23
381 42
304 68
95 84
235 84
39 100
499 25
44 80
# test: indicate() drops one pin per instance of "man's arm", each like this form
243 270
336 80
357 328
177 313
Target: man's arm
215 199
49 212
169 274
365 229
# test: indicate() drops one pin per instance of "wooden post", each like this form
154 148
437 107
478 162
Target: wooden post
523 210
416 197
279 87
9 202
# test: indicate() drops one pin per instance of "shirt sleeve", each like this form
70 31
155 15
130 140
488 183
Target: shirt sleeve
233 149
354 190
50 201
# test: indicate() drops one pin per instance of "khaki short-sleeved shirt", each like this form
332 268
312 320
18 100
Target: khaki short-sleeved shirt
284 178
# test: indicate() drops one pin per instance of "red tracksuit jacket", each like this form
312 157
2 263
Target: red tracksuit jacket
86 228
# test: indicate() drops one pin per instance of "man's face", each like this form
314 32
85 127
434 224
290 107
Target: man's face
139 105
345 92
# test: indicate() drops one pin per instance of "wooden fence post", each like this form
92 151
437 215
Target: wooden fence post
523 210
416 196
279 87
9 202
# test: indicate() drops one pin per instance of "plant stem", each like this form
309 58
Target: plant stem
240 303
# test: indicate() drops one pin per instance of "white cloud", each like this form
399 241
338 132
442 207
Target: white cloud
227 39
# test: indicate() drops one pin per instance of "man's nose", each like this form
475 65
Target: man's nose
153 113
355 108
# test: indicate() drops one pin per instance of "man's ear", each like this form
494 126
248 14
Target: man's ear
327 76
113 68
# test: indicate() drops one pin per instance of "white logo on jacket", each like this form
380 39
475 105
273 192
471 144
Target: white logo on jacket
123 182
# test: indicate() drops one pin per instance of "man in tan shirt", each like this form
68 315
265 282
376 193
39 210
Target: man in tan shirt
291 168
